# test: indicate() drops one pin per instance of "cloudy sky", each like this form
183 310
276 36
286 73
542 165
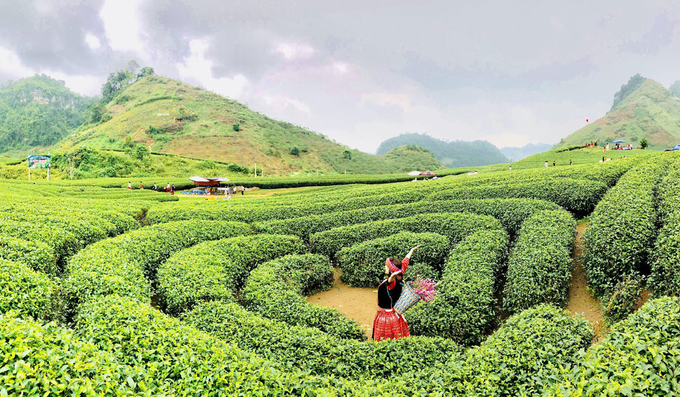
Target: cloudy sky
362 71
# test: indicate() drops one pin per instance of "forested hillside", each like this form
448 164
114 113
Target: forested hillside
38 112
642 108
451 154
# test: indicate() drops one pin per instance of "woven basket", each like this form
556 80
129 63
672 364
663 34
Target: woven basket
407 299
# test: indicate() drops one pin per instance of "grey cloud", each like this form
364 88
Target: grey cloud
52 39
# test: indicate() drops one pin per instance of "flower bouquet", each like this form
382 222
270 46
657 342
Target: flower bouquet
413 292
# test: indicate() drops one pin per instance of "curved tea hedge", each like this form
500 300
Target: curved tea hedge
26 292
217 269
275 290
519 358
665 258
44 359
454 226
639 357
539 269
363 265
36 255
621 230
577 196
310 349
464 308
127 264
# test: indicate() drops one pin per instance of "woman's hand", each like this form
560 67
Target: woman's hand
393 275
411 251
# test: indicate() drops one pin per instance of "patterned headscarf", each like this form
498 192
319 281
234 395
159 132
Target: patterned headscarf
392 266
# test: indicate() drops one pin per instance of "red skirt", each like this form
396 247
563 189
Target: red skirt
389 325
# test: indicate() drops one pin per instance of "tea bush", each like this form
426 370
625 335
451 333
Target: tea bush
539 270
577 196
45 359
126 265
454 226
639 357
363 265
36 255
464 308
26 292
520 357
217 269
510 212
310 349
274 291
622 228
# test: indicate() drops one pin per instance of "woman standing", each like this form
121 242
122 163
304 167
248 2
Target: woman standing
387 323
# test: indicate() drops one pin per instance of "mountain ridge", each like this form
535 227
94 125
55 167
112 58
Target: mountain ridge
450 153
650 111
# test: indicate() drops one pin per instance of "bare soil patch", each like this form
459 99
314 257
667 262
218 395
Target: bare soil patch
359 304
580 300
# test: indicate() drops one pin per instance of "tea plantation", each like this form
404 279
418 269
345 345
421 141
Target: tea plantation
106 291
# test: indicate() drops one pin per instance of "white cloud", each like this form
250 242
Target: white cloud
11 65
292 51
387 98
280 102
197 67
340 68
92 41
123 27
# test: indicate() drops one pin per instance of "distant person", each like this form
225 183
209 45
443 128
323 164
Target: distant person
154 188
510 168
603 159
141 185
546 164
167 188
129 185
243 190
553 163
569 161
172 189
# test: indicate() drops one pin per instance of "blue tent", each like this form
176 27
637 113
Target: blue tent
619 141
677 147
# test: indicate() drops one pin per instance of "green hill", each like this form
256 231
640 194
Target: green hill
169 116
648 110
411 157
451 154
37 112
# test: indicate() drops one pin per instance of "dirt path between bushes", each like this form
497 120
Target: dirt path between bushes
580 300
359 304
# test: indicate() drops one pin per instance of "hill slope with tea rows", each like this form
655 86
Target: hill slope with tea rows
110 291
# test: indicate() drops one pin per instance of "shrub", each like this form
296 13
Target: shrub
34 254
363 265
272 292
24 291
577 196
455 226
313 350
47 359
119 265
622 228
510 212
519 358
626 295
539 269
217 269
640 356
464 308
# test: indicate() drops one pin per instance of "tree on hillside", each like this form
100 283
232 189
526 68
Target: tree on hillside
644 143
146 71
626 89
675 88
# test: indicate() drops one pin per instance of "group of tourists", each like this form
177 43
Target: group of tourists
169 188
